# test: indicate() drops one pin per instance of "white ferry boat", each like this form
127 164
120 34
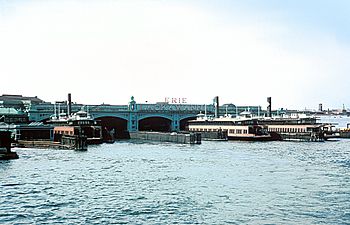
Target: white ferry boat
298 127
242 128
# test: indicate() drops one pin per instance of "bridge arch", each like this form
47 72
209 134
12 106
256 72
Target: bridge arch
145 116
113 127
155 123
184 121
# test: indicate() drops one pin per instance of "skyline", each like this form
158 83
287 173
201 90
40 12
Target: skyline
243 52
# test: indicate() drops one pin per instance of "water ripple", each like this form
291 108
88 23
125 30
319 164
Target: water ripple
152 183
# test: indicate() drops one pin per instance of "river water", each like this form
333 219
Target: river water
164 183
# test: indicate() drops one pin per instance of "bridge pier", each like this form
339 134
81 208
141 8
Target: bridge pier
133 122
175 123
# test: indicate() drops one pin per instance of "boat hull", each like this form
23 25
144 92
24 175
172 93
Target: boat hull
270 137
8 155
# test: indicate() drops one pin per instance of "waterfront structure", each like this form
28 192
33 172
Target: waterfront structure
135 116
121 119
161 116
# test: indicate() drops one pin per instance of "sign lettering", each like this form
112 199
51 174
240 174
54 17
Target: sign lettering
176 100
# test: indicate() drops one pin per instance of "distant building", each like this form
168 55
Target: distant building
13 116
232 109
18 101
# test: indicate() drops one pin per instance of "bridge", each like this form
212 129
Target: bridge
132 117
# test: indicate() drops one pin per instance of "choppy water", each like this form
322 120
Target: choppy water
163 183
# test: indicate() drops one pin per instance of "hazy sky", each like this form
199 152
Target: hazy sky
297 51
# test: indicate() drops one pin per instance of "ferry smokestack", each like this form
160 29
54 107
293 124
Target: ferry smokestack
69 110
269 114
320 108
216 106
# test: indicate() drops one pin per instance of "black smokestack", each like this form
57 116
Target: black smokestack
216 105
69 110
320 107
269 114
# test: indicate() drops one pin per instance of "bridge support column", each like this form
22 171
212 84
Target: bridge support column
175 123
133 124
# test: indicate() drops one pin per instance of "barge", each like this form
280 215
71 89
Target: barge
66 142
182 138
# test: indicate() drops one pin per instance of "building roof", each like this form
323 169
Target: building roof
10 111
6 97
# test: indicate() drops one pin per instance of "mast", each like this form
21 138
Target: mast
59 110
54 110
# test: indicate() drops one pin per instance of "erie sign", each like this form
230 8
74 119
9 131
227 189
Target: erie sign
176 100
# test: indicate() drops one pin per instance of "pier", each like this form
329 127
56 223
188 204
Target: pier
181 138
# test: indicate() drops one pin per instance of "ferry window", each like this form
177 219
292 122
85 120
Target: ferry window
245 131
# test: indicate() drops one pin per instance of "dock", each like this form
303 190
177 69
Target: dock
65 143
182 138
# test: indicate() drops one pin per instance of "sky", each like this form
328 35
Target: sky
297 52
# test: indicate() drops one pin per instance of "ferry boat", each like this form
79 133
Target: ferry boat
80 123
243 129
345 132
298 127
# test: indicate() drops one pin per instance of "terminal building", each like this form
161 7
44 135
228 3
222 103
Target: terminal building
161 116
